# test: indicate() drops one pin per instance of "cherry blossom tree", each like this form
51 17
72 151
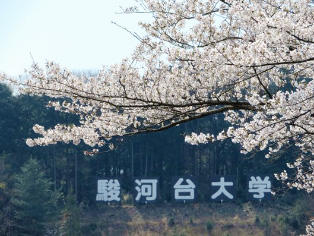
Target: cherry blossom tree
251 60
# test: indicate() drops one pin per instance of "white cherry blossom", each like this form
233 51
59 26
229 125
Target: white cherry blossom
252 60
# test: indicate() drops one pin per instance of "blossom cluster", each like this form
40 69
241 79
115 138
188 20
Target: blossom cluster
251 60
309 229
303 179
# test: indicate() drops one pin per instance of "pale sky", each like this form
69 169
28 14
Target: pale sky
77 34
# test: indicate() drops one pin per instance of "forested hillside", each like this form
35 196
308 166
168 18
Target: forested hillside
70 177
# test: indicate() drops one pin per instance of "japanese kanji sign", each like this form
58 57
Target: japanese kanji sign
259 187
108 190
184 189
146 190
222 188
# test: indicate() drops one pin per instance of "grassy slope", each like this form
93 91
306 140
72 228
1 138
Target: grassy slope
198 219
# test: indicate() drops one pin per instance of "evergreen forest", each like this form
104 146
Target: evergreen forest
44 190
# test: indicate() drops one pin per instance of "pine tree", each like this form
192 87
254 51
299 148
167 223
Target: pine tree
35 204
